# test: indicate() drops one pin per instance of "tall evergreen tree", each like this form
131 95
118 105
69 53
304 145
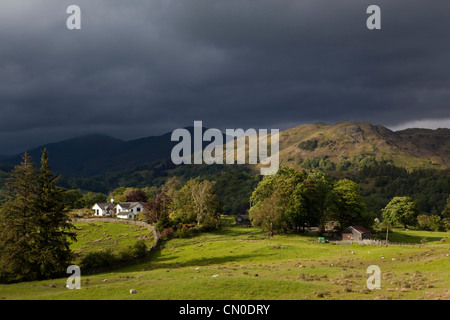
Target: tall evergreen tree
53 254
35 230
17 225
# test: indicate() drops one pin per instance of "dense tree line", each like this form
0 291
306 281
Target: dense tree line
380 182
292 200
233 186
404 212
428 188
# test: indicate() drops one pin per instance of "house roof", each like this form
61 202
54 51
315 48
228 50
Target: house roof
125 213
358 229
104 205
128 205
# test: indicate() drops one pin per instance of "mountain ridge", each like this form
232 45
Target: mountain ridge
335 144
411 148
95 154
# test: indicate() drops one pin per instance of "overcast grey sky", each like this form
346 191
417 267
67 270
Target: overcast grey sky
145 67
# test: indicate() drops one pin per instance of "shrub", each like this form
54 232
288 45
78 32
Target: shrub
125 255
167 233
139 249
98 259
430 223
310 145
210 222
186 230
446 224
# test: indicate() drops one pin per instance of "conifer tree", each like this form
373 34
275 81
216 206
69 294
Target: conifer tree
53 255
35 233
17 217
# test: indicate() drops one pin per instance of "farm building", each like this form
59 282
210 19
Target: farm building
355 233
103 209
128 210
243 220
123 210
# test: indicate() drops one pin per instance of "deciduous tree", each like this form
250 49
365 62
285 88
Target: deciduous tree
401 211
136 195
157 209
347 205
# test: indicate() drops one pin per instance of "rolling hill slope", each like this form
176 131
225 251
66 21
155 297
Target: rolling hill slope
344 143
356 142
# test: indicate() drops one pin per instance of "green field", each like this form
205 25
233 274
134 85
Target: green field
241 263
108 236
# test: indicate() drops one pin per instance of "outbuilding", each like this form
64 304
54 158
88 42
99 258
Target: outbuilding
243 220
355 233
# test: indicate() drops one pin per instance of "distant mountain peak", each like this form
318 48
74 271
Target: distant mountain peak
95 153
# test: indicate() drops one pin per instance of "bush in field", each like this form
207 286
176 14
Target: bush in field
186 230
446 224
125 255
98 259
107 258
167 233
139 249
446 211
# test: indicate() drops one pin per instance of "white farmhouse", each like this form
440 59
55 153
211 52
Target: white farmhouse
128 210
123 210
103 209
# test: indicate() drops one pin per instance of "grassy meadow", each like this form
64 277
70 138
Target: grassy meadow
241 263
108 236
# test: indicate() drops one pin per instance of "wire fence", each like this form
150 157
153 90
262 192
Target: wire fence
384 243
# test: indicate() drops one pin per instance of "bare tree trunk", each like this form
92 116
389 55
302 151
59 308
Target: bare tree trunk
387 233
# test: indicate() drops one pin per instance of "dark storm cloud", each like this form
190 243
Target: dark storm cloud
139 68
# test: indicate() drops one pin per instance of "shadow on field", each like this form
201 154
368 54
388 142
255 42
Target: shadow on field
157 261
400 237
